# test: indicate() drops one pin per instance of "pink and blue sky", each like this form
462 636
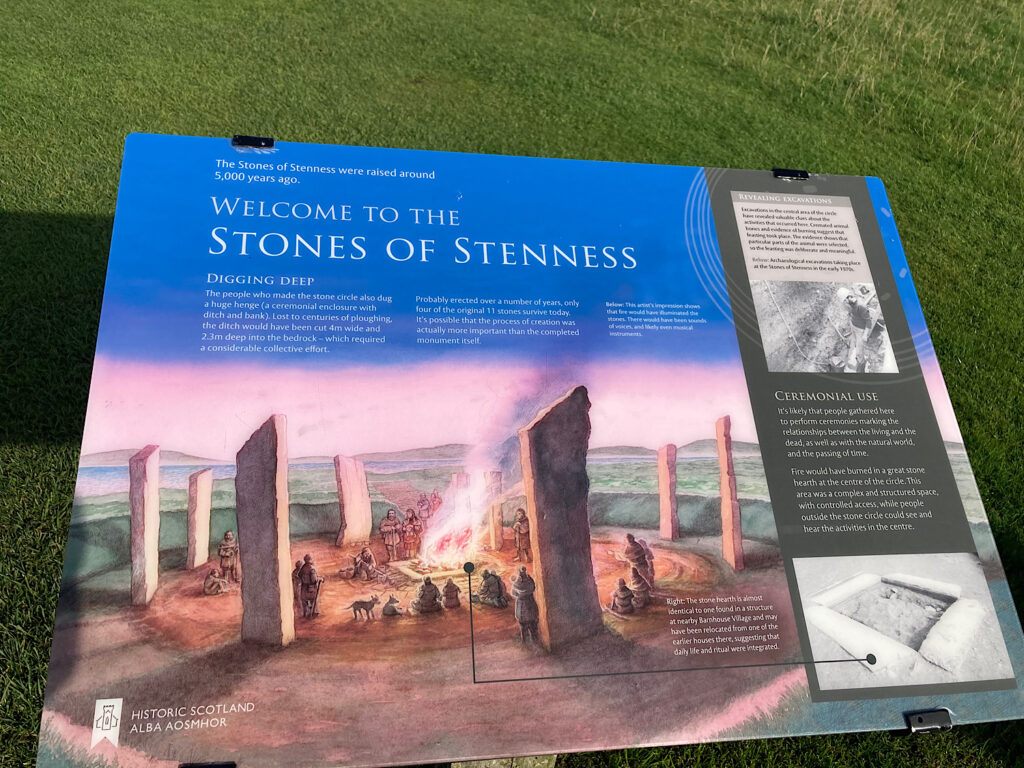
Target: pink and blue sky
210 409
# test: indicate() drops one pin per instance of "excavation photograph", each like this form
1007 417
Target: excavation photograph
910 619
810 327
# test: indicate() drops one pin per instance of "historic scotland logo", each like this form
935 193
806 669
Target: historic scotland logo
106 723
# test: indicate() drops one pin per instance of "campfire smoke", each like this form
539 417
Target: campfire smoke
457 530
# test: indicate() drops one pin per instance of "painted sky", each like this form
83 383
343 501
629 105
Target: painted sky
210 410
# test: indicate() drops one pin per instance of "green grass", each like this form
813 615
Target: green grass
926 94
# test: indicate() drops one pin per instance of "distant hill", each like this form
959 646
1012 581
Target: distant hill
698 448
709 447
435 453
167 458
616 451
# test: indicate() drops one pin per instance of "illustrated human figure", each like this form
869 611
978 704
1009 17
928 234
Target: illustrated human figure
451 594
365 565
527 613
309 584
492 591
423 510
435 501
214 584
649 573
412 528
622 598
227 550
635 555
297 587
428 599
521 529
391 530
641 589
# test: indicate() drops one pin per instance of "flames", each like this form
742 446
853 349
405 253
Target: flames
452 549
453 532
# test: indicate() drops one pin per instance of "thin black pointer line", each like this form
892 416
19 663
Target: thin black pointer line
472 637
472 650
663 671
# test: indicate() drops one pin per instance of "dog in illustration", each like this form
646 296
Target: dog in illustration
366 606
391 607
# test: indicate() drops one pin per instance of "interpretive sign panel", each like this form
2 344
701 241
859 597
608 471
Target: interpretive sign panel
526 455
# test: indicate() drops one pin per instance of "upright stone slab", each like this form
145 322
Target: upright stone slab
553 451
200 499
144 523
261 505
492 481
353 501
732 529
458 493
669 504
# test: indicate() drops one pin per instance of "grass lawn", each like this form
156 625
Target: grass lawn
926 94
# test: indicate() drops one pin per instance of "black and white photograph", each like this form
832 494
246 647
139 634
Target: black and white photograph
905 619
818 327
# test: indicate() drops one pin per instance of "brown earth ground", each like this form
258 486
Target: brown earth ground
402 690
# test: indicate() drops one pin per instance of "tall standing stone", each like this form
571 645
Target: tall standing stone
458 494
261 505
353 501
732 529
144 524
669 504
200 499
553 451
492 481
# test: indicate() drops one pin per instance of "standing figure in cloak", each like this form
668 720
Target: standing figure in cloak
622 598
309 584
634 555
521 529
297 588
227 550
527 612
423 510
435 502
391 530
412 528
649 574
428 600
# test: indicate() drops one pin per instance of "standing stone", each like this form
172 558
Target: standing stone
669 504
200 499
458 494
553 451
732 529
144 505
353 501
492 480
261 506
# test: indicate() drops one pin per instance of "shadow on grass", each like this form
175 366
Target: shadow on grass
51 286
